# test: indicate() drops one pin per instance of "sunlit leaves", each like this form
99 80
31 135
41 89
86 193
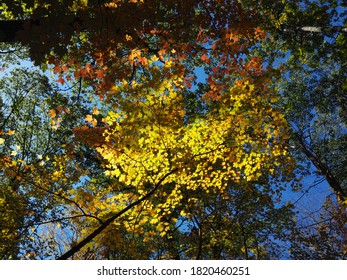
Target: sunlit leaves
235 142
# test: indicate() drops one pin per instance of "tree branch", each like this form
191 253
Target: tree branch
323 169
106 223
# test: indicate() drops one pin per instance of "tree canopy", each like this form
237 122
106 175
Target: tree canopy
172 129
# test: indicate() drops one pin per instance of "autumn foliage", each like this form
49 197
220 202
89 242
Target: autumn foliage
164 138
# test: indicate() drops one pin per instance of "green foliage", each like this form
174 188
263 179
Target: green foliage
313 98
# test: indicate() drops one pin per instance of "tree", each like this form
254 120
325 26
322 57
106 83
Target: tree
324 237
313 77
156 158
36 169
194 167
159 162
312 89
23 103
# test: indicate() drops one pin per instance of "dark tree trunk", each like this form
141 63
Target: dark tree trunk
323 169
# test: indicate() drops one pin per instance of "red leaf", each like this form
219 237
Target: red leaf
61 80
57 69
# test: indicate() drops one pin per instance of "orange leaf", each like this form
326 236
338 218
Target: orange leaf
89 118
95 111
11 132
77 74
52 113
61 80
99 73
205 58
59 109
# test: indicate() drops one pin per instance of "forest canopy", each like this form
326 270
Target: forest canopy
145 129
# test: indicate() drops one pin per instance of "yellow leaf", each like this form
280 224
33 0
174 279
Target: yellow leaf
128 37
2 140
116 172
122 178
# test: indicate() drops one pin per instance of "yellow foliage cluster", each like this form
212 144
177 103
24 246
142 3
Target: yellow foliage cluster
240 140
